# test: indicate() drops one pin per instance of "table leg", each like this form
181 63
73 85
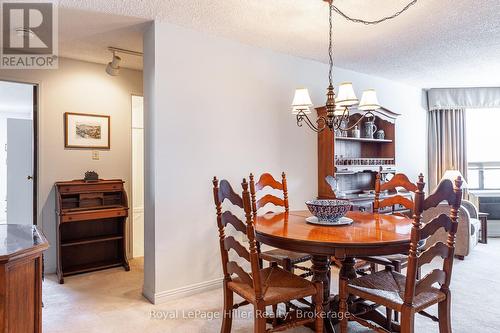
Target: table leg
356 306
484 229
347 270
321 272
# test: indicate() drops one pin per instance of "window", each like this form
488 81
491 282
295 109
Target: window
483 136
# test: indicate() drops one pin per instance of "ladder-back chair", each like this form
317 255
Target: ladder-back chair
398 261
261 287
286 259
407 294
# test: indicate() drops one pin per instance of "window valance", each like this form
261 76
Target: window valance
450 98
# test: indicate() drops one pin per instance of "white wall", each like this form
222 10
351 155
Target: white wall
78 87
150 90
219 108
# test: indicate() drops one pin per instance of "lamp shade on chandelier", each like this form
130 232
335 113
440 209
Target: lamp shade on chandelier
369 101
301 101
337 109
346 96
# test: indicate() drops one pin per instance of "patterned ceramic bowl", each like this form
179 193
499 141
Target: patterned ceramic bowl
329 210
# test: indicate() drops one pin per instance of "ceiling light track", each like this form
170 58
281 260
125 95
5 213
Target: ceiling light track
124 51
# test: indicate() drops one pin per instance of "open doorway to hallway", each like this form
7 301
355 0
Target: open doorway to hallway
17 153
137 176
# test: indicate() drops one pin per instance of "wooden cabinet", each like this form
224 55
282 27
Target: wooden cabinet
21 248
365 203
91 226
355 161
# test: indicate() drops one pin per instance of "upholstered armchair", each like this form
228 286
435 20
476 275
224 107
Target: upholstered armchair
468 228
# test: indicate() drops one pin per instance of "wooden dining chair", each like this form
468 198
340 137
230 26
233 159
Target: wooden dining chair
289 260
262 287
407 294
398 261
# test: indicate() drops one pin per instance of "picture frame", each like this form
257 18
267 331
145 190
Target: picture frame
87 131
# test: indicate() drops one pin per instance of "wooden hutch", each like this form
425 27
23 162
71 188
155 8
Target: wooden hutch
91 226
21 270
355 161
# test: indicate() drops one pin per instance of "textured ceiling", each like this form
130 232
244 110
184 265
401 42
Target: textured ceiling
436 43
86 36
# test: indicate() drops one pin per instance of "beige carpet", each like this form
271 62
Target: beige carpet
110 301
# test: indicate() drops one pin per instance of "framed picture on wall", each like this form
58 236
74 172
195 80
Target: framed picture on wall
86 131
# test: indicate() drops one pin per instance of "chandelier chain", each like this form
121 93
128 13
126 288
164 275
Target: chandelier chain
357 20
331 120
330 46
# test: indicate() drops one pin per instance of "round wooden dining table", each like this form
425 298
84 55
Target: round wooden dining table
370 234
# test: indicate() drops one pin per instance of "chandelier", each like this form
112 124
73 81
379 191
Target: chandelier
337 109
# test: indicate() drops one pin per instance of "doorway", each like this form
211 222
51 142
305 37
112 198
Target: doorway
137 176
18 153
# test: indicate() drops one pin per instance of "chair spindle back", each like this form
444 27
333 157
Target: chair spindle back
267 180
446 191
399 180
223 191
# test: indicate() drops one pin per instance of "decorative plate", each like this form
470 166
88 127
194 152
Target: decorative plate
342 221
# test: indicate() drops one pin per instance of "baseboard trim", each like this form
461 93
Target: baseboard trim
173 294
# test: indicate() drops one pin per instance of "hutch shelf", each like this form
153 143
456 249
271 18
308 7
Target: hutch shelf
362 139
355 161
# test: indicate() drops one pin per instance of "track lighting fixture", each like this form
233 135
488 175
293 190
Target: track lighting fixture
113 67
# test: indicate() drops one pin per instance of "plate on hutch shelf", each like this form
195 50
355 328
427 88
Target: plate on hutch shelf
342 221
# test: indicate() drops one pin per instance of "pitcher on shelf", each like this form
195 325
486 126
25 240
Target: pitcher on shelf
370 128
